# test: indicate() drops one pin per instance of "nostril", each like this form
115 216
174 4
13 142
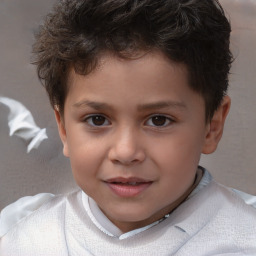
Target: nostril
123 162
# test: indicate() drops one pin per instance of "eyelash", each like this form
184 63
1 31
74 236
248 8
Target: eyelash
105 122
167 120
89 120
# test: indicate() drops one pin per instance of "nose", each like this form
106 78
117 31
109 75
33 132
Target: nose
126 148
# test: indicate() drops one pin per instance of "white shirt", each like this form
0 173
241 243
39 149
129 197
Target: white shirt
212 221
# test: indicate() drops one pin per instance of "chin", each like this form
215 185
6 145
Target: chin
131 215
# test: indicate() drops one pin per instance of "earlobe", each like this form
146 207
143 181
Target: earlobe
62 132
216 126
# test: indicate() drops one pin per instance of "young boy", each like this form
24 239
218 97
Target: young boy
139 93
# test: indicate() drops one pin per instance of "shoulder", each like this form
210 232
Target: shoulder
247 198
31 206
12 214
215 201
230 202
233 198
215 190
232 219
217 219
35 223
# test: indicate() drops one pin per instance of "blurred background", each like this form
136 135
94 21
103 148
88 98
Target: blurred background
45 169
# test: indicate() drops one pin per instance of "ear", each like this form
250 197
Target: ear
215 127
62 132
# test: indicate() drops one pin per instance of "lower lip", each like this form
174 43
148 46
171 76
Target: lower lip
128 190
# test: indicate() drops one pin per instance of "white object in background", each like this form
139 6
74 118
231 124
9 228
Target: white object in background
22 124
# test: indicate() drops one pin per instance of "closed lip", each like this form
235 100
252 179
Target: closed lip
128 187
128 180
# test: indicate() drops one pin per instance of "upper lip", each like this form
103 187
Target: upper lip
127 180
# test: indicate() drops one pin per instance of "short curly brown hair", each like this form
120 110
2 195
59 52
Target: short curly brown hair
194 32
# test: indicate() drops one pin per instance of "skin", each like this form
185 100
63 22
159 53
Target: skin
150 125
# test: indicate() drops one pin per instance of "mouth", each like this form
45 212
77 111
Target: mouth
128 187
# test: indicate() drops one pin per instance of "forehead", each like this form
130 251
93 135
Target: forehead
153 64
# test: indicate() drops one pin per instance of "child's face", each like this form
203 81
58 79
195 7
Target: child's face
134 132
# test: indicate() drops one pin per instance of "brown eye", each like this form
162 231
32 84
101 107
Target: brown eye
158 121
97 120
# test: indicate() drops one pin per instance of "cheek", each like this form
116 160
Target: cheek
85 171
177 159
88 153
180 149
85 159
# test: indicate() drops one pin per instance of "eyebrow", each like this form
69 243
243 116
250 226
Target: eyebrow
92 104
161 105
149 106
